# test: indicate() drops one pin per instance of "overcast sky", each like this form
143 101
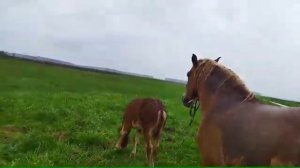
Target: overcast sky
258 39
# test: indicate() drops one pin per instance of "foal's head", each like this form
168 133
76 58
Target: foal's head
194 75
123 141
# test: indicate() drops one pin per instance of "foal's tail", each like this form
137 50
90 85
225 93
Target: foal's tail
161 122
164 117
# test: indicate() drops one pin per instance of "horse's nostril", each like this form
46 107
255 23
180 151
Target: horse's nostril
186 101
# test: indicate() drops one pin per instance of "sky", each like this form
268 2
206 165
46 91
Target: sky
257 39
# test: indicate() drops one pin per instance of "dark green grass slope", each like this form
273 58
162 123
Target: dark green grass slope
58 116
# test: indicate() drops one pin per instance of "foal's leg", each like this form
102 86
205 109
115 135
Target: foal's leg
123 139
149 147
156 135
156 143
135 143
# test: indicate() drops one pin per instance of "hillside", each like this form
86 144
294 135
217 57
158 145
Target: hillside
56 62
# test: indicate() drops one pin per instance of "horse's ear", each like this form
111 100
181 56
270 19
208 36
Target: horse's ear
217 60
194 60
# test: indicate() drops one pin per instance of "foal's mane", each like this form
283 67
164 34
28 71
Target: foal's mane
206 68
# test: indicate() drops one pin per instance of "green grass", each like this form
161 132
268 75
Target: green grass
267 100
51 115
59 116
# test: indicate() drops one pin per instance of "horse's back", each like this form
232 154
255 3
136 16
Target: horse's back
257 133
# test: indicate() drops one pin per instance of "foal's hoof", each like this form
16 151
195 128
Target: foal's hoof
118 147
132 154
150 165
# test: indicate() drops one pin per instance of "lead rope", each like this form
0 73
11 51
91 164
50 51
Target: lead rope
193 109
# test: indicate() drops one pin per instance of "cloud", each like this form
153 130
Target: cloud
257 39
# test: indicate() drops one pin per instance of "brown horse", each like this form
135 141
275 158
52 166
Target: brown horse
235 128
148 116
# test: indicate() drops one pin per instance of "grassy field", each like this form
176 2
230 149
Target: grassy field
58 116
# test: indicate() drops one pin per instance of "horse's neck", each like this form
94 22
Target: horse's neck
220 92
222 101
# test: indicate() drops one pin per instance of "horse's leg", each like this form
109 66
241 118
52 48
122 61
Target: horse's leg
124 136
210 145
276 161
149 147
238 161
135 143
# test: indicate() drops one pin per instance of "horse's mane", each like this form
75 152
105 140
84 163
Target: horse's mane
207 66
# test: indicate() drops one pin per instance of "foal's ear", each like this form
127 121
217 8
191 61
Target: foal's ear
217 60
194 60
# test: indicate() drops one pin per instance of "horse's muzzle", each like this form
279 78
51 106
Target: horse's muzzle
186 101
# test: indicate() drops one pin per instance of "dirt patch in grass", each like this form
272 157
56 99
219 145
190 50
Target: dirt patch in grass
8 132
60 136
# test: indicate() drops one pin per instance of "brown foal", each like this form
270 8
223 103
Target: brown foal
148 116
